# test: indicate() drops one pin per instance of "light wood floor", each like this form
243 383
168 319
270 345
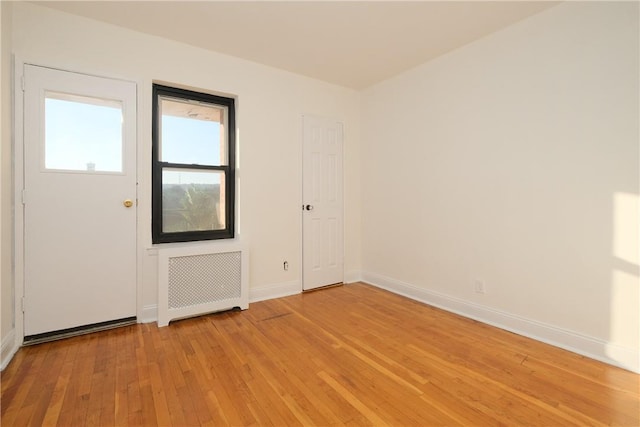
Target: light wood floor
352 355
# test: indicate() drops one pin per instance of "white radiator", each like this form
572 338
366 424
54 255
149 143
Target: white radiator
202 279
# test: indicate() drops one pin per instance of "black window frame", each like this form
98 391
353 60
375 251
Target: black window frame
159 236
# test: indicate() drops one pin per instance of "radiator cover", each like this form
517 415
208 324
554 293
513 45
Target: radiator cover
201 279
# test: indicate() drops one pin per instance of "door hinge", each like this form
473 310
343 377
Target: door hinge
22 304
22 84
23 196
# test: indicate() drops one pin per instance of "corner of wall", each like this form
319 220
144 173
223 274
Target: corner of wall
8 349
275 290
149 314
352 276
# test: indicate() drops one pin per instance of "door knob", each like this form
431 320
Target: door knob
309 207
128 203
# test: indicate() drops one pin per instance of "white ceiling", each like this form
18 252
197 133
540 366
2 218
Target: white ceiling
353 44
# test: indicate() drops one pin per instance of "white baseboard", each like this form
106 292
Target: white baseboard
276 290
8 349
149 314
352 276
591 347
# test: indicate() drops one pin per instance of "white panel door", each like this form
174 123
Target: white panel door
322 210
80 200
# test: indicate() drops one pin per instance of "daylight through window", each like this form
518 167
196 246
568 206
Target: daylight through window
193 165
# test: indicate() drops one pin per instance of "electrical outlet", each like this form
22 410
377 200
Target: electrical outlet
479 286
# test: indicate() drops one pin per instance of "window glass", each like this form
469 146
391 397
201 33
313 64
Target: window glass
192 200
82 134
192 133
193 187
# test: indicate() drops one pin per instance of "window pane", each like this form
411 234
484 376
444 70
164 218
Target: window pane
192 133
82 133
193 160
192 200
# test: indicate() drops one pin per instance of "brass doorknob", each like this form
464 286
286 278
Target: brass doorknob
128 203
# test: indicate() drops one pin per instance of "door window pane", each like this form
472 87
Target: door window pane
192 133
82 133
192 200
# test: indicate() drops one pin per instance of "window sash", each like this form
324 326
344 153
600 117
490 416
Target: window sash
194 118
226 171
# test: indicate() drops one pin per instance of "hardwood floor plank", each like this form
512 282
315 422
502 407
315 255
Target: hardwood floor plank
61 383
125 374
39 400
366 411
284 369
33 388
349 355
107 400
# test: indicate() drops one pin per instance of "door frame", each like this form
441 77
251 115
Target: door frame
302 200
18 187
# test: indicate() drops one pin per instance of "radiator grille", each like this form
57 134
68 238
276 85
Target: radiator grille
199 279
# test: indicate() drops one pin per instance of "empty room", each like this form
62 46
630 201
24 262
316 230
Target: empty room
320 213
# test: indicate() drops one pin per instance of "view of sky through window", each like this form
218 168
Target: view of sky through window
82 136
88 137
190 141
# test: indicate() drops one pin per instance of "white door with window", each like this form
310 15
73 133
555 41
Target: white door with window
79 200
322 209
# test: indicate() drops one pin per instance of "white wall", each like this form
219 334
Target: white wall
6 225
514 160
270 106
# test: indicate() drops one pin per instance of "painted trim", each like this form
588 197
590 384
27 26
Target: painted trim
149 314
18 206
594 348
352 276
276 290
8 349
